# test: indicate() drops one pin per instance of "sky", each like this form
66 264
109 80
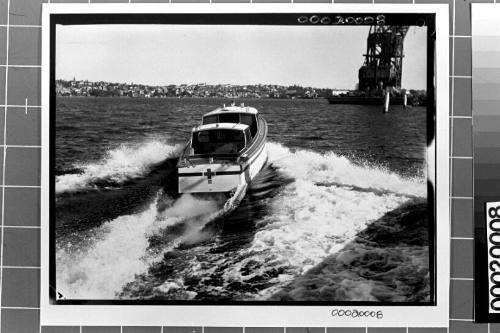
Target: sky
316 56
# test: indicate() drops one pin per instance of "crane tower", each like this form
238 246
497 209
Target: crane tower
383 63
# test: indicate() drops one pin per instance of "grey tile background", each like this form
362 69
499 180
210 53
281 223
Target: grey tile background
24 86
462 93
19 304
461 299
23 126
25 46
20 287
461 217
223 330
3 11
463 55
60 329
393 1
69 1
185 329
461 178
2 84
462 144
346 330
387 330
136 329
467 326
21 247
103 329
20 320
305 330
263 330
22 206
151 1
462 253
22 166
354 1
3 41
231 1
25 12
312 1
108 1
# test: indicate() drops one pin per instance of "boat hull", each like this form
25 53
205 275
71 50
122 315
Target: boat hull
220 176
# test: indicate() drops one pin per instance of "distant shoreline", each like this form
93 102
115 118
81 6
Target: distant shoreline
201 98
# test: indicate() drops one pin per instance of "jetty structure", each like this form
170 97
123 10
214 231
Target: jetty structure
380 74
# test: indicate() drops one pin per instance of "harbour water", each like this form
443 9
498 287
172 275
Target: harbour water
338 214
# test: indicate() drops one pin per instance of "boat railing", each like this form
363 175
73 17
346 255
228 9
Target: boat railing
211 158
215 156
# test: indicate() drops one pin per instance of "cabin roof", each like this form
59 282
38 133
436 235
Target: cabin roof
232 109
239 127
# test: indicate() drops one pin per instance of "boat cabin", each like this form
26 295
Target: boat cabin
220 139
233 114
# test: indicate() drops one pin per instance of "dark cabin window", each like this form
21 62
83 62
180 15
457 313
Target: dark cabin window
221 141
248 136
249 119
229 118
210 120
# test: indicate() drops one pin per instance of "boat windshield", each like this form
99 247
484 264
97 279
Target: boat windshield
249 119
229 118
242 118
220 141
209 119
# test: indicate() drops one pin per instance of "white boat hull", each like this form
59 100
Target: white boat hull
221 177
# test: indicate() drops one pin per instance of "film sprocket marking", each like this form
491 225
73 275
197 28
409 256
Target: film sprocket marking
493 241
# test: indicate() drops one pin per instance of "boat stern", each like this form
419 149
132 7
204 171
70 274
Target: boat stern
210 178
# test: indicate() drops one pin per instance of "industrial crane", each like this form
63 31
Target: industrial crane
383 59
380 75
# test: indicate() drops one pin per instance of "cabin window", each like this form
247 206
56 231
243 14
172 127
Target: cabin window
203 137
220 141
248 136
249 119
229 118
210 119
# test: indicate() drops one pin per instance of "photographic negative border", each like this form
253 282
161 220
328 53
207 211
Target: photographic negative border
435 17
280 19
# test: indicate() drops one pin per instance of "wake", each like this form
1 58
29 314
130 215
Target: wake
119 249
117 166
329 202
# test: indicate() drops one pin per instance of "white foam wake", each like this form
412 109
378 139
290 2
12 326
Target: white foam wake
305 223
332 168
119 249
118 165
308 222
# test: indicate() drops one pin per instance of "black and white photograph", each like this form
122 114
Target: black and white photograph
243 159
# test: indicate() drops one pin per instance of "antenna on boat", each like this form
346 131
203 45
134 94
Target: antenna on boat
224 105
